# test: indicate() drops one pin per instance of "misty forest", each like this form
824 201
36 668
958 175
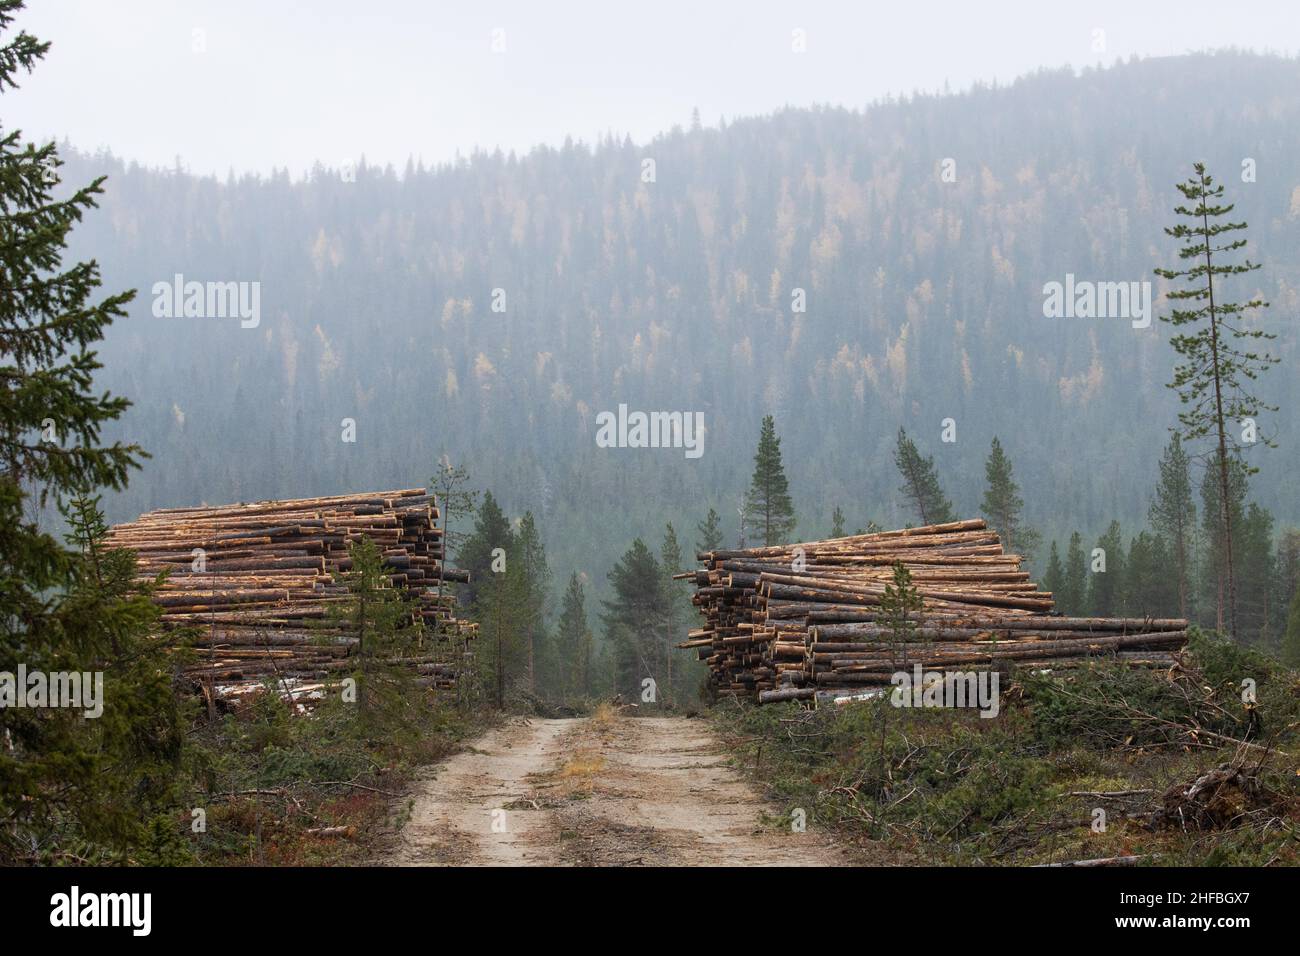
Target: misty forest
851 313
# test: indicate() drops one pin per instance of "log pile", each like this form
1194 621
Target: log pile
259 581
791 621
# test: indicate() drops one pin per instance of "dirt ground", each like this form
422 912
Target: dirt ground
602 791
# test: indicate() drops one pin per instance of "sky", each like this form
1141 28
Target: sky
254 85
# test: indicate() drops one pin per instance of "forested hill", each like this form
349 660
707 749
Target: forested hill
924 302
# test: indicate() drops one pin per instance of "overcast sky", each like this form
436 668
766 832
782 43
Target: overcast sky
257 84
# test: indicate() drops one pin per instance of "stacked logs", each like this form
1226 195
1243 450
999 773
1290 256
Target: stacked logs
260 584
790 621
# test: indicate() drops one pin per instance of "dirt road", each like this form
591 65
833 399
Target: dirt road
601 791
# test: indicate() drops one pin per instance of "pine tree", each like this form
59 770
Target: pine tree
1002 504
920 483
455 500
1074 590
1173 516
382 623
768 502
575 641
1106 590
900 605
1218 358
710 533
837 523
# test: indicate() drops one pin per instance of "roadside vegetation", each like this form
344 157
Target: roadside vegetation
1099 763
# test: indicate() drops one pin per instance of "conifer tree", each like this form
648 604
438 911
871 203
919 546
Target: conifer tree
920 483
1002 504
535 587
1149 589
768 503
1106 588
383 625
491 531
1256 563
634 618
676 601
837 523
64 609
1054 577
575 641
1219 361
1213 564
1074 589
1173 516
710 532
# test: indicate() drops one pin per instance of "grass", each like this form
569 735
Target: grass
1077 766
264 779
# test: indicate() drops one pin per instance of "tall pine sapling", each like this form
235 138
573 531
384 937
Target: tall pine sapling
1218 361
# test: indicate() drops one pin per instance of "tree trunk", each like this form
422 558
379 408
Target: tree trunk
1225 505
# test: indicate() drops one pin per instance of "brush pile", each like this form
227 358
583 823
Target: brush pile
260 582
789 621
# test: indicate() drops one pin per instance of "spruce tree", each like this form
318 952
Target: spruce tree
768 503
50 416
710 532
491 531
1256 563
1219 361
575 642
1054 578
1106 588
1074 590
1002 504
1173 516
633 618
921 484
1150 591
536 585
64 608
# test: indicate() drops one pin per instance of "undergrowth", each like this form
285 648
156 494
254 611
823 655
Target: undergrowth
1086 763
